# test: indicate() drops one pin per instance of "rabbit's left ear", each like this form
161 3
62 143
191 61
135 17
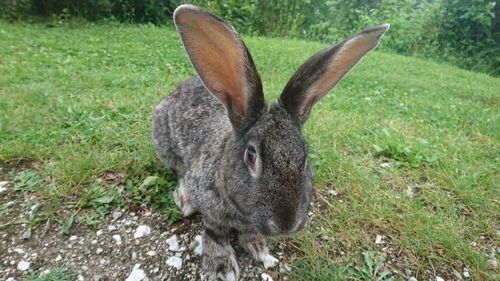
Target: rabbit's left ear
320 73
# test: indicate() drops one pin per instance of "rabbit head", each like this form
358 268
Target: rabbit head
266 174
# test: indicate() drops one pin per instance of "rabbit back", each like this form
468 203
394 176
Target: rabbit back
187 124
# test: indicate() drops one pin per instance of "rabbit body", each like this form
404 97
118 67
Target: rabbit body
194 136
241 163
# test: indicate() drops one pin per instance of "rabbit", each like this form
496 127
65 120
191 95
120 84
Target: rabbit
240 163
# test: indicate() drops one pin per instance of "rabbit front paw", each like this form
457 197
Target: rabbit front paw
221 268
256 246
219 260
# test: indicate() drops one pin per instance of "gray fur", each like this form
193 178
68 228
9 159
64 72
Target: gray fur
208 159
198 136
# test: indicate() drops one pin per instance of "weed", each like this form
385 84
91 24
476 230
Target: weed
372 268
27 180
156 192
55 274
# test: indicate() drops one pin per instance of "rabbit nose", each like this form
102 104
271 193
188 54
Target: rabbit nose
275 229
285 221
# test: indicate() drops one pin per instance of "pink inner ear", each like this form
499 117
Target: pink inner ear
218 56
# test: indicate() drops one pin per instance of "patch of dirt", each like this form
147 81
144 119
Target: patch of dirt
111 252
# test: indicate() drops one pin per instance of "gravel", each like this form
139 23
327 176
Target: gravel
197 245
23 265
138 246
3 186
175 262
116 215
136 274
266 277
141 231
173 244
117 239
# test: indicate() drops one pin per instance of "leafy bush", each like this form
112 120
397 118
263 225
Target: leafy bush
153 11
463 32
471 29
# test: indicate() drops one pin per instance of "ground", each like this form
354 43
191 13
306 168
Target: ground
115 249
405 154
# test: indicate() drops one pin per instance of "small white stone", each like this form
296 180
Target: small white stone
385 165
80 277
136 274
285 269
45 272
73 238
413 279
11 279
58 258
266 277
466 274
151 253
3 183
175 262
199 247
134 255
117 239
19 250
111 228
99 232
99 250
173 243
23 265
333 192
141 231
93 242
439 278
116 215
379 239
493 262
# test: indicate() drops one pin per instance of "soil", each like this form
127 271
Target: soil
110 252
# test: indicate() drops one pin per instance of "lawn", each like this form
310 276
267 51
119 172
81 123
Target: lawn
403 149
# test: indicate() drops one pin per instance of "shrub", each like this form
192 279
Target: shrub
463 32
139 11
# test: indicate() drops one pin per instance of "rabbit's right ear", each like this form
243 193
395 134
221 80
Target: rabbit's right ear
320 73
223 63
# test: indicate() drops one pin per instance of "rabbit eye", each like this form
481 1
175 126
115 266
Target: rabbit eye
250 156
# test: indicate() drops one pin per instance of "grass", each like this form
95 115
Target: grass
411 147
56 274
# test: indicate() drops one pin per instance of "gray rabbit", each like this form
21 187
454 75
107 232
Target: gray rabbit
241 163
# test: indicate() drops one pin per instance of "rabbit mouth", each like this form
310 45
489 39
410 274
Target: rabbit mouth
273 229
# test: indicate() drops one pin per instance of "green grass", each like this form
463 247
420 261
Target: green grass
55 274
411 146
